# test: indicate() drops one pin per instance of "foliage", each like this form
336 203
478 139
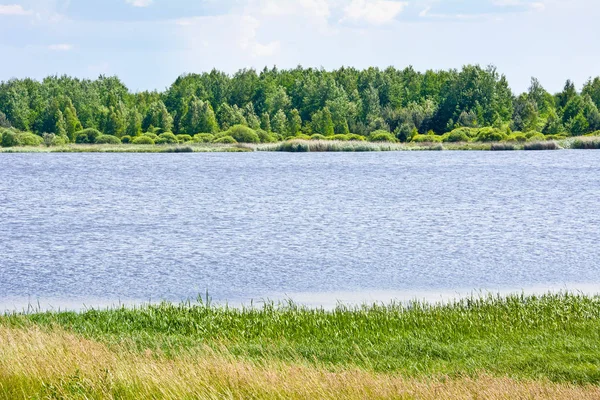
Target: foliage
166 138
243 134
126 139
142 140
204 138
457 135
266 137
107 139
382 136
490 135
87 136
182 138
225 140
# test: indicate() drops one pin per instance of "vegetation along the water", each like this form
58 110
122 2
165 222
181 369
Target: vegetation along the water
481 347
471 108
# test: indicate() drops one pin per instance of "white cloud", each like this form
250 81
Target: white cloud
375 12
13 9
139 3
61 47
317 8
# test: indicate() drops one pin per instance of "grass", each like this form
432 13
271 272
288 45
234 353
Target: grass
586 143
37 363
546 145
555 337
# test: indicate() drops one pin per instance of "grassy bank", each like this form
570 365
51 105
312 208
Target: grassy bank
548 343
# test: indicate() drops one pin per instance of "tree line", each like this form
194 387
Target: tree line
301 101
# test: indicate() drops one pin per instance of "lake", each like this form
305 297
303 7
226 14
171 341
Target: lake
99 229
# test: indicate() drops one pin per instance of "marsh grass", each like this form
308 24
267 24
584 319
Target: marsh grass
552 337
586 143
502 147
546 145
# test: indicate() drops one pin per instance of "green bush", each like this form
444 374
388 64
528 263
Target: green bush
464 130
536 137
300 136
340 137
225 140
243 134
204 137
382 136
266 137
87 136
166 138
144 139
151 135
126 139
317 136
517 137
426 139
560 136
457 135
184 138
490 135
354 136
29 139
108 139
10 139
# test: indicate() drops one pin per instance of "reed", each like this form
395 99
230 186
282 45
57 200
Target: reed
586 143
546 145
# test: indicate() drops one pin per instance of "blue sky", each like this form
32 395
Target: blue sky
148 43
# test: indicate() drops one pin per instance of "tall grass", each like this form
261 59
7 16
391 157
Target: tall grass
586 143
553 337
546 145
41 364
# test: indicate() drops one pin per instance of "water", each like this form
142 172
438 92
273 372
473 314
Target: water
100 229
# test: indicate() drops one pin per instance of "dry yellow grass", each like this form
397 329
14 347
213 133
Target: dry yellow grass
56 364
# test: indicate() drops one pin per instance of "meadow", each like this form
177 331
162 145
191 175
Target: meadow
479 347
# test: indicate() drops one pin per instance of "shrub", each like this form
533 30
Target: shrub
10 139
382 136
243 134
87 136
466 131
184 138
517 137
426 139
225 140
490 135
317 136
151 135
457 135
560 136
354 136
29 139
204 138
166 138
108 139
142 140
551 145
300 136
536 137
266 137
126 139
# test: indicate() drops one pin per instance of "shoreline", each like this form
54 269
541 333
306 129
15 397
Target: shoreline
311 146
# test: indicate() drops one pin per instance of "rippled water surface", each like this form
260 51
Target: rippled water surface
77 228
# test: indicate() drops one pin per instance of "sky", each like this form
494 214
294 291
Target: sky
148 43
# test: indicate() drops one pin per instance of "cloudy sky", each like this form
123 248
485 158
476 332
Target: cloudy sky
148 43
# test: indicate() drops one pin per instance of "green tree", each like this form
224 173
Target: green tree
323 123
295 122
280 123
265 122
134 123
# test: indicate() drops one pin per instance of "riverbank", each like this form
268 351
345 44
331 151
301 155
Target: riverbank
311 146
520 347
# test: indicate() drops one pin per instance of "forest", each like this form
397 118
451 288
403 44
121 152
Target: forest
471 104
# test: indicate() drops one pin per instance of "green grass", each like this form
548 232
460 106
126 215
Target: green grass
554 337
